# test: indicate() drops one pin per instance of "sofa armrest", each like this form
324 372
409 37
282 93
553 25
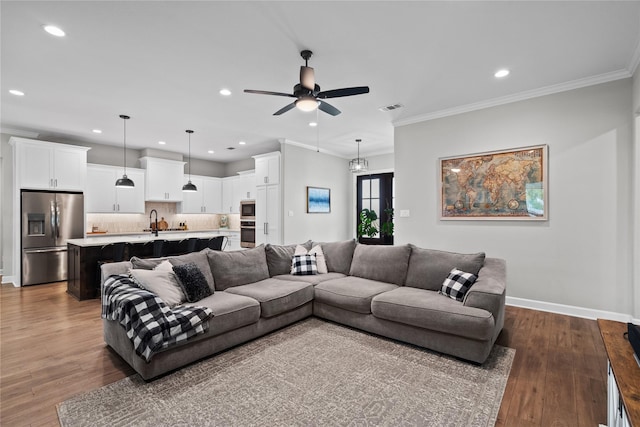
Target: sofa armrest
111 268
489 291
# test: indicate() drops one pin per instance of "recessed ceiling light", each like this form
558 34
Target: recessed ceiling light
210 151
502 73
225 92
96 131
313 124
242 143
16 92
161 142
54 31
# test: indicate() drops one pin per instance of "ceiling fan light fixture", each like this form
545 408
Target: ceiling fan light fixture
307 103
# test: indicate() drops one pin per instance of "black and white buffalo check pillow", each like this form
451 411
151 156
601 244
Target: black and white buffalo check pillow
457 284
304 265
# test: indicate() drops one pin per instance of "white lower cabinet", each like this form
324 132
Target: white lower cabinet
616 413
102 195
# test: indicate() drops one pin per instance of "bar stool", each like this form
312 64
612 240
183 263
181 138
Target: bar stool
154 249
111 252
188 245
215 243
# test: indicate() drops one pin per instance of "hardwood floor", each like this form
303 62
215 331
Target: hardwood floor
51 348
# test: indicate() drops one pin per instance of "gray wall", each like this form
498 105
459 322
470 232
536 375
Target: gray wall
636 212
581 256
232 169
302 168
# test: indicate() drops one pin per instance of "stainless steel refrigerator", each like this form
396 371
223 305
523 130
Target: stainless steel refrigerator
48 221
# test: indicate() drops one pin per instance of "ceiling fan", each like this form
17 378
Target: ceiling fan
308 94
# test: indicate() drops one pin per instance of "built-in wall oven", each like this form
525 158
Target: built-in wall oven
247 234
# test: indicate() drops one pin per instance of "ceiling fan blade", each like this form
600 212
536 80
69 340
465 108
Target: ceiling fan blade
347 91
266 92
285 109
328 108
307 77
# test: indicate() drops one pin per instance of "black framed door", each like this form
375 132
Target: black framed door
376 192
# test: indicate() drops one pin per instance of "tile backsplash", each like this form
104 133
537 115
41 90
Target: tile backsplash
125 223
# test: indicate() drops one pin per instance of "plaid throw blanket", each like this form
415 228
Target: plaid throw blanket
150 323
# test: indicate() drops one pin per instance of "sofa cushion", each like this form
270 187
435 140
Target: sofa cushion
279 257
276 296
304 265
162 283
230 311
457 284
382 263
350 293
192 282
338 255
428 267
237 268
314 280
200 260
430 310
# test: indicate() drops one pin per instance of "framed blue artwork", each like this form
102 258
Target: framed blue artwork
318 200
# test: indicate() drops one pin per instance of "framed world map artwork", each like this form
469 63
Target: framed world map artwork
497 185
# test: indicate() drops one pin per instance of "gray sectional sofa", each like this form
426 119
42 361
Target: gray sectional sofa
386 290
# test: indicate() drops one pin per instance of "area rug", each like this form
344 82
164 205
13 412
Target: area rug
309 374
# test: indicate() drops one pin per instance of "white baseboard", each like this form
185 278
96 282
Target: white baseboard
9 279
570 310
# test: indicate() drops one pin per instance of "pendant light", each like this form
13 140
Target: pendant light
358 164
125 182
189 187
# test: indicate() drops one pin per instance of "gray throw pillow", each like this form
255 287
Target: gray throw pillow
192 281
338 255
200 259
279 257
236 268
382 263
145 263
162 283
428 268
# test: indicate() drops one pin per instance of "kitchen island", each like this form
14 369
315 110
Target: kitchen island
86 255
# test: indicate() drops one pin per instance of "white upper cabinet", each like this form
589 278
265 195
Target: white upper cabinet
207 199
267 168
230 195
49 166
163 179
246 187
102 195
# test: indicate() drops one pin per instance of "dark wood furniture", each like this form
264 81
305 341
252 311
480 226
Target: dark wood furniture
625 368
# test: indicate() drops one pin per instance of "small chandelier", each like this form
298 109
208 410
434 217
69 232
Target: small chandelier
358 164
125 181
189 187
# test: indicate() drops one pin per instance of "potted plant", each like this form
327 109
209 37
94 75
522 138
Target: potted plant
386 228
366 226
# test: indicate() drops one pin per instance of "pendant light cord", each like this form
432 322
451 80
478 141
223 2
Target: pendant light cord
124 118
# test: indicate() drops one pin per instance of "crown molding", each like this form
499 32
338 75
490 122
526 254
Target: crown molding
19 132
635 60
521 96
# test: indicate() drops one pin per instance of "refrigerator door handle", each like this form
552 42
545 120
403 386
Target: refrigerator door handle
57 221
53 219
45 251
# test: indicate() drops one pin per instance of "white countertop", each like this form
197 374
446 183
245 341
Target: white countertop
104 239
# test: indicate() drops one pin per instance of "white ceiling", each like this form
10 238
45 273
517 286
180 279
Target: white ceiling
163 64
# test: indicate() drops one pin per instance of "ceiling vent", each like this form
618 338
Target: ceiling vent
390 107
231 148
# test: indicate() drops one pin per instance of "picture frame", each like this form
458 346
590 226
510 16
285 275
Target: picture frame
508 184
318 200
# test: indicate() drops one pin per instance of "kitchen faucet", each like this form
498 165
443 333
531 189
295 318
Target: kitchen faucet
154 230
